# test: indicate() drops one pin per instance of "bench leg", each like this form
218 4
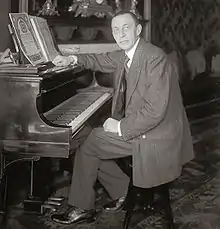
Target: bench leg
167 207
131 200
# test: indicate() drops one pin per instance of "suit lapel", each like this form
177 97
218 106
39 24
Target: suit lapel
134 72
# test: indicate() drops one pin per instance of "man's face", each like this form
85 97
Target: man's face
125 31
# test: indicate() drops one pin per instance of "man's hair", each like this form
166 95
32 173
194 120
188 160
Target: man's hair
122 12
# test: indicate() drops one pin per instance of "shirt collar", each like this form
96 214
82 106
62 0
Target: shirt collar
131 52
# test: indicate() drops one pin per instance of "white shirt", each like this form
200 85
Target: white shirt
131 52
130 55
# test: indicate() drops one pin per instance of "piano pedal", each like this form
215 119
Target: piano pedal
47 208
50 202
59 199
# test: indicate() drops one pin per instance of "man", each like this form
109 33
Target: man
154 128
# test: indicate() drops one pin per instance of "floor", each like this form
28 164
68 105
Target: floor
195 195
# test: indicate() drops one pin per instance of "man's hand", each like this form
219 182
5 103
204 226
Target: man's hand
64 60
111 125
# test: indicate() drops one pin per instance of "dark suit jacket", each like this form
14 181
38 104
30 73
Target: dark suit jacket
155 120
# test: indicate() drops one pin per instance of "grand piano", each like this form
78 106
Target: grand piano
42 111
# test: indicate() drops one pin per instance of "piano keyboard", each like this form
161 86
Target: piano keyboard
77 109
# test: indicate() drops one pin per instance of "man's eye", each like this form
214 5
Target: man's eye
115 31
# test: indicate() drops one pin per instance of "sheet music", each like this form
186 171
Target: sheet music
26 38
42 29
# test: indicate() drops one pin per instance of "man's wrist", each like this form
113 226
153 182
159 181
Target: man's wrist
119 129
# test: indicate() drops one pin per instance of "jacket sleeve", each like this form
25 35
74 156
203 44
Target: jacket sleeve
105 62
154 102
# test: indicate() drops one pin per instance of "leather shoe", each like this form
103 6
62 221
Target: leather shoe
74 215
116 205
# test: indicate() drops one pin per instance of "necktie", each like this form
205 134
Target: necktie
119 112
124 81
126 64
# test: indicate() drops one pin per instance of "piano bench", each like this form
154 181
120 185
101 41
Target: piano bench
149 203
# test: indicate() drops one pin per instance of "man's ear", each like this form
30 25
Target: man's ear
139 29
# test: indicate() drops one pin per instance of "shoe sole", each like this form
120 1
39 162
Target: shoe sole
112 211
89 220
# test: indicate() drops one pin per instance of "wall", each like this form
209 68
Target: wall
186 25
5 40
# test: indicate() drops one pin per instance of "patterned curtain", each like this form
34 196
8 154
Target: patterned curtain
184 25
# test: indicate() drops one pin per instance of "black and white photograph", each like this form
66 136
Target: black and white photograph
110 114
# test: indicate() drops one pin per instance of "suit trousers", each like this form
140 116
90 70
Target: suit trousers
94 160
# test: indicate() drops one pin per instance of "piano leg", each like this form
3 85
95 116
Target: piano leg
3 185
39 205
32 179
3 188
5 167
3 196
32 204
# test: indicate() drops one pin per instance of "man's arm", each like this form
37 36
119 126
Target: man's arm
105 62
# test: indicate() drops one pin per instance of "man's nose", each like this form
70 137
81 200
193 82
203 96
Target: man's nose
122 33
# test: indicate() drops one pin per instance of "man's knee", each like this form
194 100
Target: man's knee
96 133
92 139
